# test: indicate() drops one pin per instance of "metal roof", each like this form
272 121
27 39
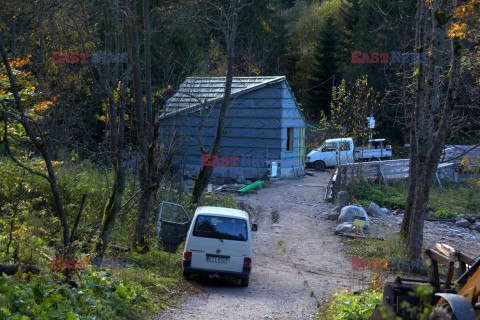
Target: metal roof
196 91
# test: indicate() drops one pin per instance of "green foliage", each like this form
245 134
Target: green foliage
351 306
281 244
325 67
381 195
443 214
97 297
307 18
352 106
29 231
421 311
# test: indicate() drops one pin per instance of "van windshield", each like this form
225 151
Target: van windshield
224 228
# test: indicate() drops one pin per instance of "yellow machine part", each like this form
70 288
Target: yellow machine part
471 289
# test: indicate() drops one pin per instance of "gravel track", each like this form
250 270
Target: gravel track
288 284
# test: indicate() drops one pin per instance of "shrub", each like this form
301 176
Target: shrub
351 306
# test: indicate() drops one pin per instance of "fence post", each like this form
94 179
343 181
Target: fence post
379 175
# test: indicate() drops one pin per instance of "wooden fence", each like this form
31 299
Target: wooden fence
455 153
377 172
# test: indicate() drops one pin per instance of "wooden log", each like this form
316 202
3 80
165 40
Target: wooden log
445 249
440 220
11 269
119 248
437 256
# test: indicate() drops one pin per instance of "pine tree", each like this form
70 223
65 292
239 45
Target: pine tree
325 66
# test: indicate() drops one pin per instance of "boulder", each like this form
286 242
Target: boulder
241 179
333 214
344 227
463 223
342 199
385 211
348 213
374 210
477 226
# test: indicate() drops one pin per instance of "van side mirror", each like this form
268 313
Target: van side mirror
254 227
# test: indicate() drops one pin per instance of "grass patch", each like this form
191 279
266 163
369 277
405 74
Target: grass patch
393 197
448 201
392 247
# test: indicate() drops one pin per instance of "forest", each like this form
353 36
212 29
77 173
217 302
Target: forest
82 84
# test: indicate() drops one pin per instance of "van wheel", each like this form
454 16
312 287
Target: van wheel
186 275
319 165
244 282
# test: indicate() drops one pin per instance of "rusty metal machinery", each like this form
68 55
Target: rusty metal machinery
450 304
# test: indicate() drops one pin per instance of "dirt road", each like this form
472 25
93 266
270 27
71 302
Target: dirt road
283 285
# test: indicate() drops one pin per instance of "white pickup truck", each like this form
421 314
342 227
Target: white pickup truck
334 152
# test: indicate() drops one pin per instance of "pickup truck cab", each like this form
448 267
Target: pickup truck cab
341 151
218 240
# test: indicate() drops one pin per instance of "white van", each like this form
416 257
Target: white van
218 241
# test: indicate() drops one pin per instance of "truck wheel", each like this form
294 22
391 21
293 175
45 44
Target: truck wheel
443 312
319 165
244 282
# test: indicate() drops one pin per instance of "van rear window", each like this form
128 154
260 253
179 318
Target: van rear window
221 228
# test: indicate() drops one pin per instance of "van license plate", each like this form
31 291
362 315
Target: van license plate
217 259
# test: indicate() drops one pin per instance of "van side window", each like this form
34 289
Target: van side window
345 146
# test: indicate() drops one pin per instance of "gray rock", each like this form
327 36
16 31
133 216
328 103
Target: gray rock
462 223
472 219
333 214
348 213
397 212
374 210
385 211
342 201
477 226
241 179
344 227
